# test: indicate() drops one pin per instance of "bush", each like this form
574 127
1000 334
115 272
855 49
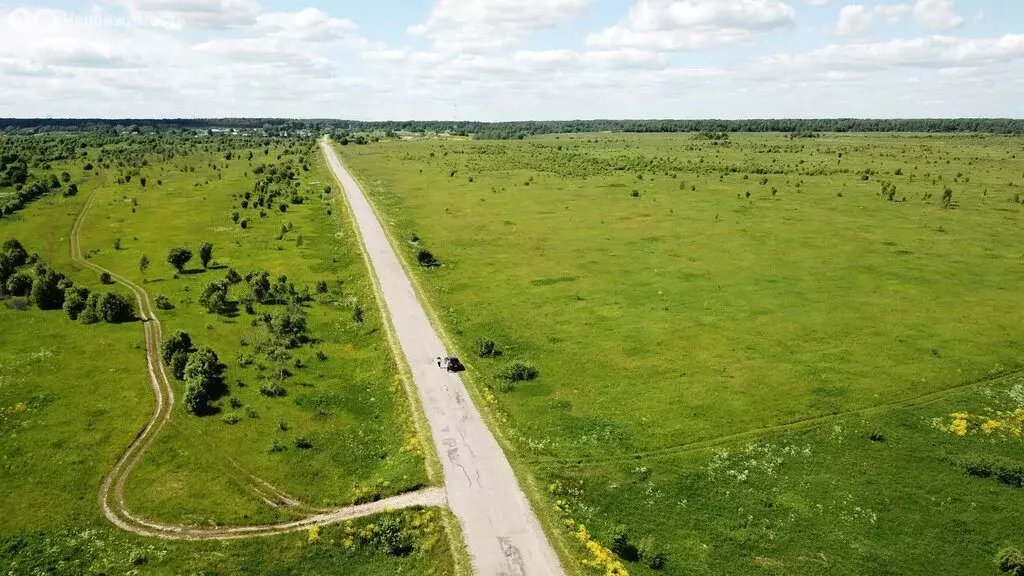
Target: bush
178 258
215 297
235 403
1006 471
651 553
47 292
231 419
206 253
1011 561
426 259
196 399
177 364
89 315
115 308
486 348
163 302
518 371
105 278
303 443
619 539
273 390
276 447
20 284
180 341
233 277
395 540
16 252
75 302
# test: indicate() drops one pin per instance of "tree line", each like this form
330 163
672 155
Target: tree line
512 130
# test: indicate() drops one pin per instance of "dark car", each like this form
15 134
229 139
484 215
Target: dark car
452 364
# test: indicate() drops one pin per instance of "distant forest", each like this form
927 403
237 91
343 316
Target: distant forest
513 130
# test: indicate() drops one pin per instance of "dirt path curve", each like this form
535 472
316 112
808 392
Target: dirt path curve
111 496
502 532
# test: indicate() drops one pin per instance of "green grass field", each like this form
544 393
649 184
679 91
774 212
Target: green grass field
681 296
73 396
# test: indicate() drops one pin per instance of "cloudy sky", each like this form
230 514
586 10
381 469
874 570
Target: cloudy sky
512 59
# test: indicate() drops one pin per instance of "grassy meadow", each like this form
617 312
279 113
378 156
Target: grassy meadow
750 350
337 428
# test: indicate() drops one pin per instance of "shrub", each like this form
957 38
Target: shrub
178 258
357 314
1006 471
196 399
651 553
206 253
426 259
619 539
89 315
163 302
276 447
1011 561
105 278
273 390
518 371
115 308
16 252
20 284
215 297
395 540
47 292
486 348
231 419
303 443
233 277
75 302
251 412
180 341
235 403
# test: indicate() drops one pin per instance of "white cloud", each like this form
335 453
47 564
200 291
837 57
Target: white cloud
177 14
933 52
937 14
856 20
678 25
472 25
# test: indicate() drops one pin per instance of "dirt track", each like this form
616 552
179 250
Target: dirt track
501 531
111 496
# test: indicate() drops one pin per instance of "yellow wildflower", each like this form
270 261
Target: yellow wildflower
991 426
959 427
314 533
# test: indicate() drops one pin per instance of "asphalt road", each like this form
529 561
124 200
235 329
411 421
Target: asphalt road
500 529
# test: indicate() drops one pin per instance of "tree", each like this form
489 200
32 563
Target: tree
143 266
215 297
7 269
196 399
206 253
20 284
180 341
232 277
259 285
178 258
200 378
115 308
947 198
105 278
75 302
16 252
46 291
177 364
